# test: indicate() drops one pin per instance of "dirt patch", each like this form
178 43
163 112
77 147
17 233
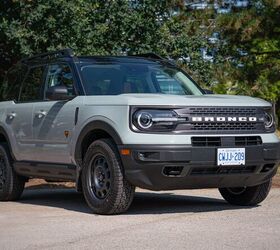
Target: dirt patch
42 184
276 181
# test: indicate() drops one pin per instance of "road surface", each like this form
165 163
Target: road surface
189 219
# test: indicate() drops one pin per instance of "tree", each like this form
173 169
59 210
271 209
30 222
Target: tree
97 28
251 53
246 58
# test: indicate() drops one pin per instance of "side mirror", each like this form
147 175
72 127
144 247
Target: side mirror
208 92
57 93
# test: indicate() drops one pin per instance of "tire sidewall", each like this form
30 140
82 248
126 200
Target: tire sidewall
95 149
250 196
7 189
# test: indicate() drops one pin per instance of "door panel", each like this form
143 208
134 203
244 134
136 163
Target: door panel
53 123
18 116
18 121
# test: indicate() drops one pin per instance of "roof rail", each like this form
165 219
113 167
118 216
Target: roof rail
52 54
150 55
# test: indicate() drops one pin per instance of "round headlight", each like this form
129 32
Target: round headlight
144 120
268 120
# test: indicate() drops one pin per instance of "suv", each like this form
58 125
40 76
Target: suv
113 123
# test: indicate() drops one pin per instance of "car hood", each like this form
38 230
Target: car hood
175 100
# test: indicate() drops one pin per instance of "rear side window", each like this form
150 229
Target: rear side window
31 89
10 89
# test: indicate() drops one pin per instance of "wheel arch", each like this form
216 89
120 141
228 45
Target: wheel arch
93 131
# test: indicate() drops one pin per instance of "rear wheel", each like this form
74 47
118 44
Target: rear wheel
105 187
246 196
11 184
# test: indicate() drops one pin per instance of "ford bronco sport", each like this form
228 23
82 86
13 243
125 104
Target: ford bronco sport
113 123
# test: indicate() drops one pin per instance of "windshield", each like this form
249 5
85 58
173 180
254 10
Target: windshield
123 78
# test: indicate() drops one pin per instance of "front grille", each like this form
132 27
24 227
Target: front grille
226 141
222 170
221 119
214 126
223 111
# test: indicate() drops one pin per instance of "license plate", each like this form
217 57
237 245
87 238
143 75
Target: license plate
230 156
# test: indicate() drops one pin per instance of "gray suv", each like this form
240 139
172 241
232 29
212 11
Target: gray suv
115 123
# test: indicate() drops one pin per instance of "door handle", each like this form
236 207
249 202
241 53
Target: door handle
41 114
11 116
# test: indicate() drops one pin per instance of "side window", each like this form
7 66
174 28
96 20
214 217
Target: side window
10 88
31 89
60 75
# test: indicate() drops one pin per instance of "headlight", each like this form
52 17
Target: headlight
154 120
268 119
144 120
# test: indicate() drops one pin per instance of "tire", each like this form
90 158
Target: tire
246 196
11 184
105 187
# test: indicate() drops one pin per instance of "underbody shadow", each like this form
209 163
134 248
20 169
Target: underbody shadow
65 198
143 203
164 203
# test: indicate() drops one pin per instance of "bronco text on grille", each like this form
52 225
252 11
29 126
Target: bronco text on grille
226 119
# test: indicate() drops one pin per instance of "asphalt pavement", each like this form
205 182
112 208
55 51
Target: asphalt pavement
189 219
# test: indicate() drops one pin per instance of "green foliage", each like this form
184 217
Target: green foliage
256 31
93 27
118 27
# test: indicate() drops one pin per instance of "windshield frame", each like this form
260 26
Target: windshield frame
151 63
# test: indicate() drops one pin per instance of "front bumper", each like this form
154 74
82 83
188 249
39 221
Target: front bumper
170 167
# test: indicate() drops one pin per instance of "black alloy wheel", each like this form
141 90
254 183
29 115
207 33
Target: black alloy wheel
100 177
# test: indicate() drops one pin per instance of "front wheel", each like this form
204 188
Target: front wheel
105 187
246 196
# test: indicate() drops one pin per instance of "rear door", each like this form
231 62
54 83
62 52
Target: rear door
18 121
54 120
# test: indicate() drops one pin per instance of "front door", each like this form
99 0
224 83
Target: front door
54 121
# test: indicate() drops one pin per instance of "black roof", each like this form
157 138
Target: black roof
50 55
68 53
118 59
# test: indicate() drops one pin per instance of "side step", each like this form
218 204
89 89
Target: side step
46 170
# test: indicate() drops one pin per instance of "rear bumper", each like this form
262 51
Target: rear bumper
170 167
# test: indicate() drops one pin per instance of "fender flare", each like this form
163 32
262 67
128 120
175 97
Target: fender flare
94 125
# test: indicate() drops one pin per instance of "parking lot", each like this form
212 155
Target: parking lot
190 219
